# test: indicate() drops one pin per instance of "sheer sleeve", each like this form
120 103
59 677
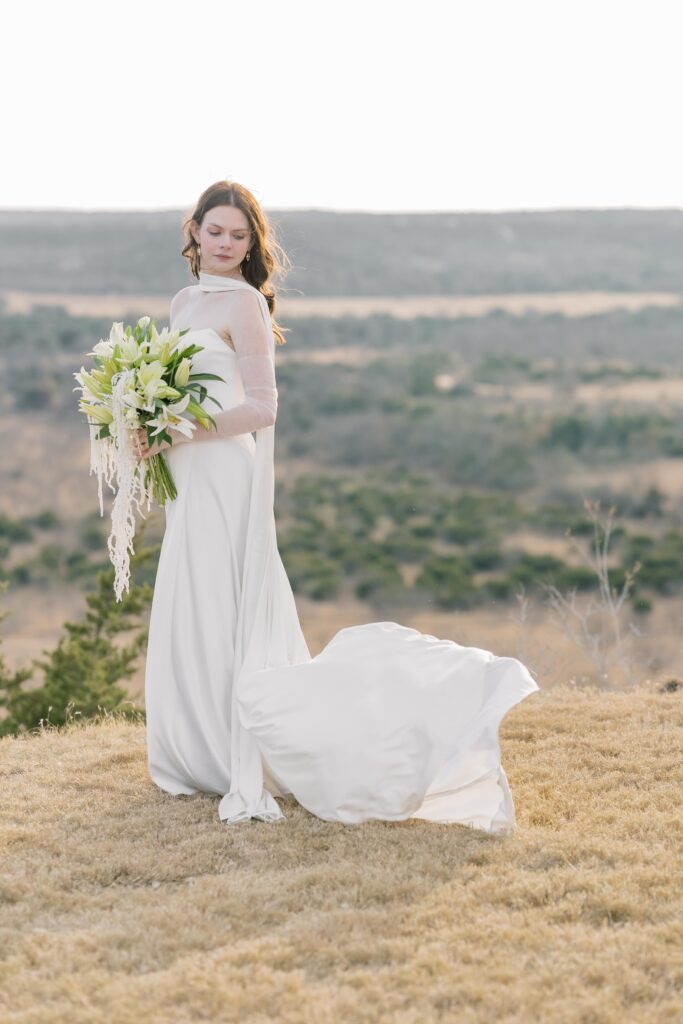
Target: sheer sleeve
253 346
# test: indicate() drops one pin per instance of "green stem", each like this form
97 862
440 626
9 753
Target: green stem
163 486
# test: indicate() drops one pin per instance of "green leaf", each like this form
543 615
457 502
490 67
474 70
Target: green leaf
191 350
206 376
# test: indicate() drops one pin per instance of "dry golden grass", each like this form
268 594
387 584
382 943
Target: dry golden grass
123 904
402 307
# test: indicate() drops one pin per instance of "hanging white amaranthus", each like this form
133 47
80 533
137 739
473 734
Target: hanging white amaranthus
141 378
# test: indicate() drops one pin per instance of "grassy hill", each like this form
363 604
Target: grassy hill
119 903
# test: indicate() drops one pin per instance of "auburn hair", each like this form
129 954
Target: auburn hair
266 256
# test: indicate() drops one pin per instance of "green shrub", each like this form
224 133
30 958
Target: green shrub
651 504
423 371
532 569
82 675
500 588
405 546
324 585
425 531
661 572
45 520
449 578
15 530
571 432
582 577
555 517
501 367
486 556
299 446
50 557
21 575
312 573
463 531
77 565
399 403
93 537
345 550
379 579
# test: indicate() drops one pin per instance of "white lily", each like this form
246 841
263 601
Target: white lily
172 337
116 334
98 413
130 350
169 416
104 349
183 426
91 384
133 400
182 374
154 344
150 377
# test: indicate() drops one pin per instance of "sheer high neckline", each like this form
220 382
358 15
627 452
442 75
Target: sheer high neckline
215 282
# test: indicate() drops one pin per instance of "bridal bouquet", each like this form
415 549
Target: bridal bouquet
141 379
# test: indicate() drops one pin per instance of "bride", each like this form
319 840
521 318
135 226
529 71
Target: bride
386 722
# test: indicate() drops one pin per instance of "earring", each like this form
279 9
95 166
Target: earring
249 255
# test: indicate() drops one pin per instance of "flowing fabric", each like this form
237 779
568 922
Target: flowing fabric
385 722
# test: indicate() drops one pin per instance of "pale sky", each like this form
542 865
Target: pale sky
354 105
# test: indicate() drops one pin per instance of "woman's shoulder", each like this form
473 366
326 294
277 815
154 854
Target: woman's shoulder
180 299
186 292
249 289
230 298
243 300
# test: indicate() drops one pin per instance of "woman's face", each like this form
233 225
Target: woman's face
224 238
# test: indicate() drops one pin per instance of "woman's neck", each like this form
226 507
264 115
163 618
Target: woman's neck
234 277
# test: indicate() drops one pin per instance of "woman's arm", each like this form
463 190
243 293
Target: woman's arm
252 341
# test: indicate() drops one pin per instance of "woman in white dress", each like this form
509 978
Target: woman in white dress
386 722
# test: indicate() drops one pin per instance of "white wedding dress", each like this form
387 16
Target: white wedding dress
385 723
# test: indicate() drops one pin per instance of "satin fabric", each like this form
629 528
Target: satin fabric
384 723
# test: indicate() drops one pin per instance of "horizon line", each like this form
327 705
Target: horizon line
350 210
